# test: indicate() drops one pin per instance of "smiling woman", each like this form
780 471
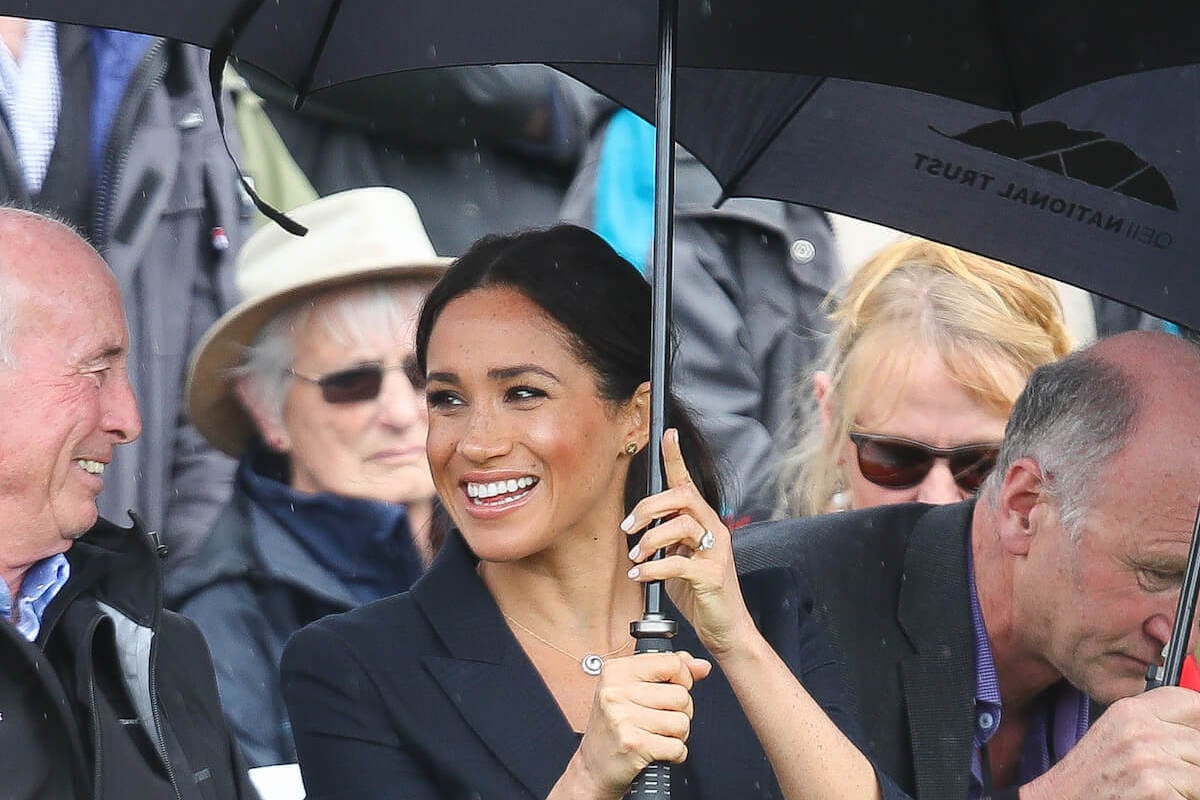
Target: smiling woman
506 671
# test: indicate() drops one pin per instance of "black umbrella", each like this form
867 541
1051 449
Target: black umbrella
1098 187
984 56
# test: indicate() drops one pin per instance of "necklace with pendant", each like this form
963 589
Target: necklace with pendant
591 664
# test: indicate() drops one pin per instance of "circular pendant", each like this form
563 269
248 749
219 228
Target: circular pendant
591 664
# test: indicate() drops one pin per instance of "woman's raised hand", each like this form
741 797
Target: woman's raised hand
698 567
642 713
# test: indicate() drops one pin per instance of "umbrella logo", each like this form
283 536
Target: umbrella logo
1088 156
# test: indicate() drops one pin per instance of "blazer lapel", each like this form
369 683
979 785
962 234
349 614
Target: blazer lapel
488 678
939 678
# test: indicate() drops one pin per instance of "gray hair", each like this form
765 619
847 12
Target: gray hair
352 315
1073 416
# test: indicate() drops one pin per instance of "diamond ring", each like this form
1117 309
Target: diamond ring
707 540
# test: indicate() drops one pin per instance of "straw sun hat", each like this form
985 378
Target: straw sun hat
357 235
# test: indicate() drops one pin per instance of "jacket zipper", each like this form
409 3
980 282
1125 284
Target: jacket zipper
99 755
158 730
155 623
97 739
144 80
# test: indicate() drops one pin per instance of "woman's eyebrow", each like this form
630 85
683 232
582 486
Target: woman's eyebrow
498 374
508 373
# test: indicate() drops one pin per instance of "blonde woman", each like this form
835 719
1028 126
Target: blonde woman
930 348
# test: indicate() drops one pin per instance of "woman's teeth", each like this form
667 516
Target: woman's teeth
484 491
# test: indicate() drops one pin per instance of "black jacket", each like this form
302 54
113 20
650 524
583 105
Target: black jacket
427 695
891 588
116 698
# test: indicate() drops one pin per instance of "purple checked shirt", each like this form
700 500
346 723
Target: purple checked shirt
1060 714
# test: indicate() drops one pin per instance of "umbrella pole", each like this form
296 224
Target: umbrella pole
1185 614
654 631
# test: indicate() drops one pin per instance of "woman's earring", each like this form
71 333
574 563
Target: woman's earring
631 448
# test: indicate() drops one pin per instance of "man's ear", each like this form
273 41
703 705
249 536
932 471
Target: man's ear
270 428
639 416
825 403
1022 488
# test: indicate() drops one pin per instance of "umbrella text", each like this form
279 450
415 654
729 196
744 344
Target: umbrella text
1045 201
953 172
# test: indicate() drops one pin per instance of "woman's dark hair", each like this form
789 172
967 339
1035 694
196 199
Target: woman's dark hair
603 305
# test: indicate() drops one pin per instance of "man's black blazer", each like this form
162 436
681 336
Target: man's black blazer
890 586
427 696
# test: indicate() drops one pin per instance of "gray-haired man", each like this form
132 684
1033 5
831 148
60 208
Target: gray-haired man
102 692
975 635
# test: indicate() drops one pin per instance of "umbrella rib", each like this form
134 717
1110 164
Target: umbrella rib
305 85
1117 186
1058 151
740 173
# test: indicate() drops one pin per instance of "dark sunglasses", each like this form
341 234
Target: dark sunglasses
896 463
361 382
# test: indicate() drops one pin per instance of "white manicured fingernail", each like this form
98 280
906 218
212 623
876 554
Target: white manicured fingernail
633 573
635 552
627 523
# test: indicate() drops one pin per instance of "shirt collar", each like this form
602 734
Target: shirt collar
39 586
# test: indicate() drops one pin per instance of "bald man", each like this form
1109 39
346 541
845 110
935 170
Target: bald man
981 639
102 692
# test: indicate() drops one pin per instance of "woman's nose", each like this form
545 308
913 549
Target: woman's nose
939 487
483 437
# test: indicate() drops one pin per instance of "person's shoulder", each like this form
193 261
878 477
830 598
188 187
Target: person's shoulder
824 537
393 624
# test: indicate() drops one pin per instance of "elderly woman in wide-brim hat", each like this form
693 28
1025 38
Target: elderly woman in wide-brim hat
310 382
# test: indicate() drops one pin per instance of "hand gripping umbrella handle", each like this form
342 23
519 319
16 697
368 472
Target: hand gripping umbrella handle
653 633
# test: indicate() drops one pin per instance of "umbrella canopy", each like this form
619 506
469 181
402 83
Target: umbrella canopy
900 127
1002 55
1098 187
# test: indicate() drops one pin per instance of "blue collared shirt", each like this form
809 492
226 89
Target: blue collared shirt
1058 722
41 583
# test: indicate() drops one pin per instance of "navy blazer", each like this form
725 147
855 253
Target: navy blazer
427 695
893 595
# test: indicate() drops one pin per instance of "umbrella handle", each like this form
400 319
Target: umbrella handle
653 633
652 783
